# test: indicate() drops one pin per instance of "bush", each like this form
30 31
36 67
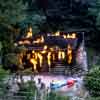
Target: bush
93 98
92 81
28 90
55 96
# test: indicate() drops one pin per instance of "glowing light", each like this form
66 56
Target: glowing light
45 47
63 55
57 33
64 36
40 59
48 34
68 36
34 62
29 34
49 58
69 54
43 52
20 42
26 42
39 40
59 55
51 49
33 51
42 39
73 35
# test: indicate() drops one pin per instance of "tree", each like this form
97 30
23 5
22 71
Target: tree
94 10
92 81
11 12
12 61
35 17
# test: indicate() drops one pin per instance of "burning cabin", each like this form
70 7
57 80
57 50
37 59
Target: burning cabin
51 52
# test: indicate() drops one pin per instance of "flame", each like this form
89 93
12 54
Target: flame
69 54
34 62
57 33
40 59
45 47
29 34
39 40
73 36
51 49
26 42
36 55
64 36
20 42
43 52
49 58
42 39
63 55
68 36
33 51
59 55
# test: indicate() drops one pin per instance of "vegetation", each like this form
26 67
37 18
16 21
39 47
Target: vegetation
28 90
92 81
95 11
11 13
3 75
56 97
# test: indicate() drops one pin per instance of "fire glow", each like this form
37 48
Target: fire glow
29 33
39 57
48 54
69 54
39 40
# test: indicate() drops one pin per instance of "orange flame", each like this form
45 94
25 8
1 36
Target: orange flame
64 36
72 36
34 62
26 42
42 39
39 40
57 33
40 59
61 55
20 42
29 34
45 47
69 54
68 36
49 58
